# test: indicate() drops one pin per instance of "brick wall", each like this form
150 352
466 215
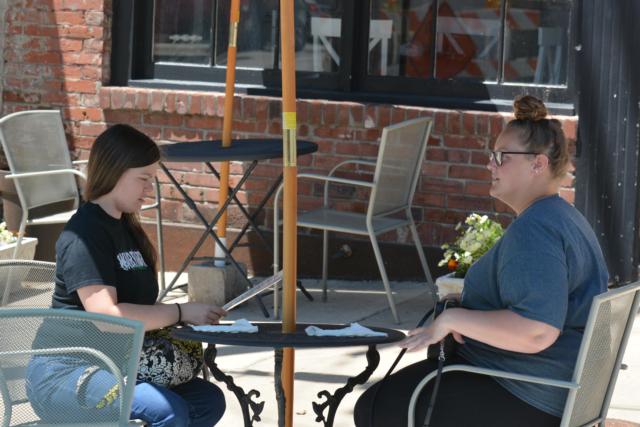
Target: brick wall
57 56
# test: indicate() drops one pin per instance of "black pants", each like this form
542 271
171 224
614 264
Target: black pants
464 399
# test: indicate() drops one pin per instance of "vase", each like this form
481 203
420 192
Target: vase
448 284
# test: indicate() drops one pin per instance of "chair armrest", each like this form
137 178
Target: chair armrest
46 173
483 371
356 162
80 162
336 179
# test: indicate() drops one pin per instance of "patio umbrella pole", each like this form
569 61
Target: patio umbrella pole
290 203
221 226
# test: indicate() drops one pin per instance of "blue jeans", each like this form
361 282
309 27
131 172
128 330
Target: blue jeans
68 389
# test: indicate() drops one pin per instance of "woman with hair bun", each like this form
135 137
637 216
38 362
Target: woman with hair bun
525 302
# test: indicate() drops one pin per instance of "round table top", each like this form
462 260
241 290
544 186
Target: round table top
270 335
240 150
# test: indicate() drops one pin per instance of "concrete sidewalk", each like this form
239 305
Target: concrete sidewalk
317 370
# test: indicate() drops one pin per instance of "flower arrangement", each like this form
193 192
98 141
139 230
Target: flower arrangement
6 236
479 235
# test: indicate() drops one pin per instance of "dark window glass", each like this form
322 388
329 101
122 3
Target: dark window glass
182 31
537 41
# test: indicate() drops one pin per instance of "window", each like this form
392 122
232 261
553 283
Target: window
424 51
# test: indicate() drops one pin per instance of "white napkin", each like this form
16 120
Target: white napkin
353 330
240 325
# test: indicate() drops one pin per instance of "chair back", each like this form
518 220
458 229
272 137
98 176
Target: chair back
34 141
600 356
106 349
26 283
398 167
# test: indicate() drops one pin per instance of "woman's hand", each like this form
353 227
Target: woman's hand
421 338
201 314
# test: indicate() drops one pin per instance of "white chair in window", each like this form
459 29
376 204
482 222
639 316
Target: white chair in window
36 149
551 41
116 350
397 170
599 360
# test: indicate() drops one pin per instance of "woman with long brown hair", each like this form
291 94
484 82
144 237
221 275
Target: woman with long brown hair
106 264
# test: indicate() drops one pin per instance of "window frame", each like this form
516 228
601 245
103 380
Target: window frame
132 65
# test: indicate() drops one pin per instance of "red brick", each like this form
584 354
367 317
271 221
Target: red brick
435 169
469 123
93 45
497 124
429 199
91 114
482 124
81 31
477 188
170 102
470 142
262 109
162 119
94 18
455 201
357 149
368 135
569 126
69 18
440 123
81 86
454 123
344 115
157 100
398 114
384 116
83 4
436 185
457 156
42 57
437 155
357 115
124 116
182 103
174 134
90 129
329 114
479 158
142 100
38 30
470 172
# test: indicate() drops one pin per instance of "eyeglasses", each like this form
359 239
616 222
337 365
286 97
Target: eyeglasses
497 155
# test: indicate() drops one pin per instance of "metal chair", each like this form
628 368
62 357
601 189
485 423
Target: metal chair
36 149
26 283
118 343
599 359
397 169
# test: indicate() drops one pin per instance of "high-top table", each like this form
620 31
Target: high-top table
270 335
207 152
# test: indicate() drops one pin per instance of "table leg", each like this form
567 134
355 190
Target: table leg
332 402
277 376
251 410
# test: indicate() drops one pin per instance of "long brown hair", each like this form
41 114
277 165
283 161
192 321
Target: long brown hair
539 134
117 149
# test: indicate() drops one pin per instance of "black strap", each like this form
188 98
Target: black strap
393 366
434 393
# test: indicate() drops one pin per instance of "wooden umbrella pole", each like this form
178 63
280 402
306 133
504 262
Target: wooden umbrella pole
234 18
290 219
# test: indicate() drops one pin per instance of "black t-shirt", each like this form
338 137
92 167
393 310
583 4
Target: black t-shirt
97 249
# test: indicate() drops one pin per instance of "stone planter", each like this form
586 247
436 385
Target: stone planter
27 249
448 284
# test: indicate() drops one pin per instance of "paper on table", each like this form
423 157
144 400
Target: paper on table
239 326
353 330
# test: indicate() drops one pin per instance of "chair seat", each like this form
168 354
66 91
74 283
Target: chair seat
59 218
346 222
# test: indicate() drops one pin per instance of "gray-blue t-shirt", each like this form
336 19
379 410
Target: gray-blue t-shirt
548 266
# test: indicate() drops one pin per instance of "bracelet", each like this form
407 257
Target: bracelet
179 313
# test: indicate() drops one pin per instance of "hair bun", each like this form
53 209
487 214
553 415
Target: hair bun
527 107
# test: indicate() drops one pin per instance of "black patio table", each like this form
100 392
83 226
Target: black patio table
253 150
270 335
